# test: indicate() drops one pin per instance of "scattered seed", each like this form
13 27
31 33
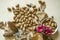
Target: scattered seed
9 9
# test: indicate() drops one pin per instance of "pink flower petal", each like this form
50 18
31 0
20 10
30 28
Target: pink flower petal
44 29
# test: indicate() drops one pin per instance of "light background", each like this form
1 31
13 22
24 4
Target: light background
53 9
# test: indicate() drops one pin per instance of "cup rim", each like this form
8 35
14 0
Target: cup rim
55 31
